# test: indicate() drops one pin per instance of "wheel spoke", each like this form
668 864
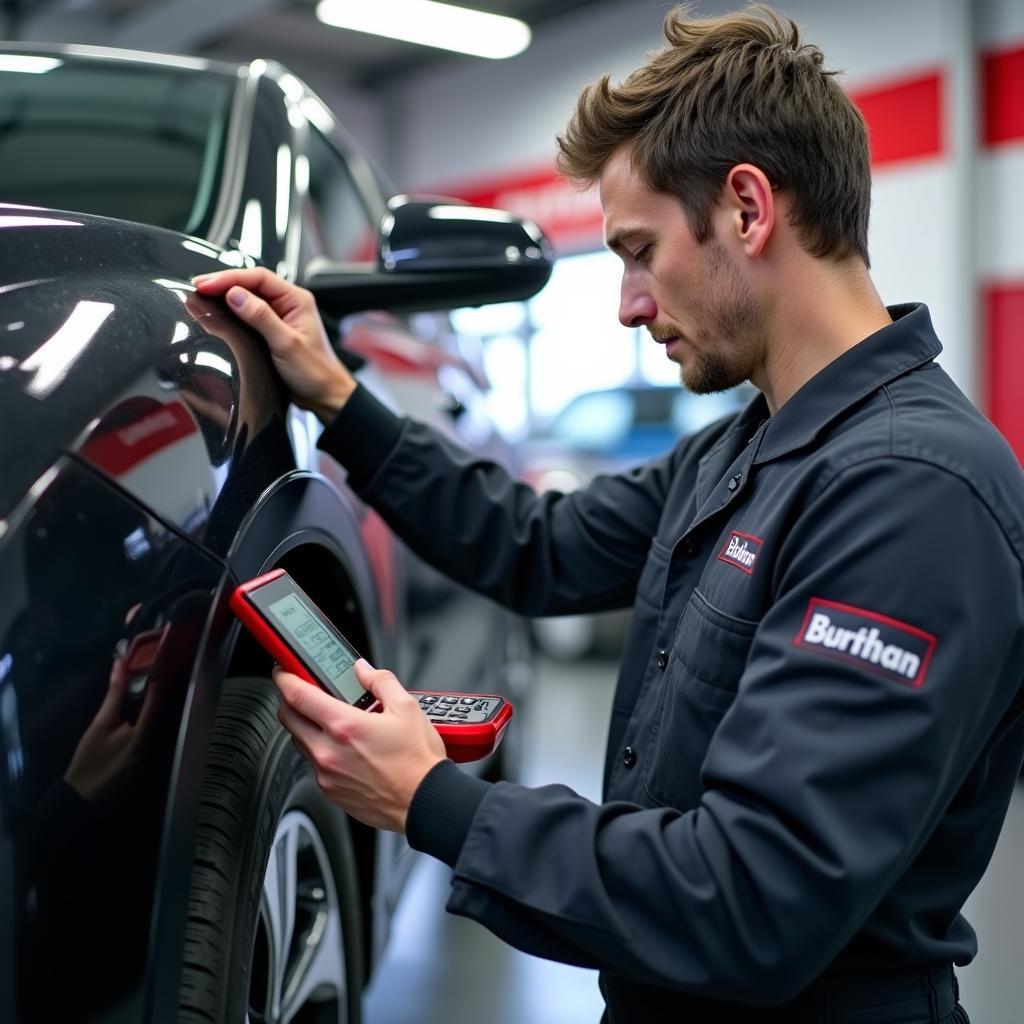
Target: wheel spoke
318 966
279 904
303 923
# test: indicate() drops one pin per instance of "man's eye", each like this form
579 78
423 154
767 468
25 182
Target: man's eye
642 254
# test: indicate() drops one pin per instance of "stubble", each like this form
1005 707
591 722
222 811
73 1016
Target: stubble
729 337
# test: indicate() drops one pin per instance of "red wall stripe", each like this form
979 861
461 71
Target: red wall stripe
1003 96
1004 313
904 119
904 122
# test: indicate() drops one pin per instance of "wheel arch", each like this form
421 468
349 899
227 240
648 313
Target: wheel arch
306 525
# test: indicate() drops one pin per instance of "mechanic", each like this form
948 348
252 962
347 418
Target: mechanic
818 722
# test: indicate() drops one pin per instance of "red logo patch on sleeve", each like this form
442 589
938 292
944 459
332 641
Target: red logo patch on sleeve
882 645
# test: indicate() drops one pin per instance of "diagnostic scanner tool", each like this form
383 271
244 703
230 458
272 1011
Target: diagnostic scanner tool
301 639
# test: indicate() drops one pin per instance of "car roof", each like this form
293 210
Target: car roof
75 51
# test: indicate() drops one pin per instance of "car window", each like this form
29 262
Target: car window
336 221
137 143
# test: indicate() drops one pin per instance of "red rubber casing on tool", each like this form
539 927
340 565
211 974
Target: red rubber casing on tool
472 741
463 742
253 619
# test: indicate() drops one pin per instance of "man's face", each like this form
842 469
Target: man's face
690 295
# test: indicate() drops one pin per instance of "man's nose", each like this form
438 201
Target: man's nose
636 306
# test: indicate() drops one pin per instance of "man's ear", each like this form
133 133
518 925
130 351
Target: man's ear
748 197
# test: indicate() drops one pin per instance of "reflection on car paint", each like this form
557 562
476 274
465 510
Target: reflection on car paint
153 405
114 609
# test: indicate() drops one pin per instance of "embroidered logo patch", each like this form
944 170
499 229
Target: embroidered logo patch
741 550
882 645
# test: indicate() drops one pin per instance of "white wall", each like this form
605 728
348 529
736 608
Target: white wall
452 125
492 116
1000 236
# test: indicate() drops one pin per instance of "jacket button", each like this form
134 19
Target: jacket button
662 659
629 757
734 482
690 546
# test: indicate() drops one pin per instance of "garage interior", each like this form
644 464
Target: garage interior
941 83
476 964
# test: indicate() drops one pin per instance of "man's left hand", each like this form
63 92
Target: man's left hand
369 764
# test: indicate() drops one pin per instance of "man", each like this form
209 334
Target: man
818 722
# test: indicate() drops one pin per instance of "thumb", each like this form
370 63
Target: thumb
117 688
259 314
383 684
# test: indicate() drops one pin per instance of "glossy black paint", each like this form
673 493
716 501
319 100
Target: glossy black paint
439 253
50 264
440 234
169 405
146 446
89 734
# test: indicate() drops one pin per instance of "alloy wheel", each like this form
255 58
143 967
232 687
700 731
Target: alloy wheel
297 974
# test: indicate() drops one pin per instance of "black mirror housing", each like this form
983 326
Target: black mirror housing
438 253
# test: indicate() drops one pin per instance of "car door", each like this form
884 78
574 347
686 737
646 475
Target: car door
450 637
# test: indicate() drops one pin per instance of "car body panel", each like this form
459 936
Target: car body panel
90 308
150 454
87 768
189 422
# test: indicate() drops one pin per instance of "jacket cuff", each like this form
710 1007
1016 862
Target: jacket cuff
442 811
361 436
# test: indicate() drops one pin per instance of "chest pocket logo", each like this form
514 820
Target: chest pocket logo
741 550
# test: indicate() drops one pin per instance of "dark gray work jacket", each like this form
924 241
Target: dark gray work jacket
818 723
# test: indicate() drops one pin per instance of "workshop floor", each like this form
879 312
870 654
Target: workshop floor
441 969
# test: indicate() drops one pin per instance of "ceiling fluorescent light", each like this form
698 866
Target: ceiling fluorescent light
27 64
430 24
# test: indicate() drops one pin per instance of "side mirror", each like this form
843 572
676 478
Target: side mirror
437 254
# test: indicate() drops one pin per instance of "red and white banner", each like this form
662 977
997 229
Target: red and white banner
907 125
904 121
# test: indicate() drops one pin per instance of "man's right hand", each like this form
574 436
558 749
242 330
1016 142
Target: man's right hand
287 317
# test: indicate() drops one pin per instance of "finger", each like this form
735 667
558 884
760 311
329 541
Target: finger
111 712
287 300
264 318
256 279
383 684
150 706
307 699
303 731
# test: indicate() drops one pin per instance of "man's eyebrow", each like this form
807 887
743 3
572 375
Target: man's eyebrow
616 241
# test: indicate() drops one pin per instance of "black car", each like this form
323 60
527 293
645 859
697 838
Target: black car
165 853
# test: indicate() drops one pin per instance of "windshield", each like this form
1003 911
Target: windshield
138 143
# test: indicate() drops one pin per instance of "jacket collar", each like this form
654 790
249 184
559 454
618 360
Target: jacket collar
905 344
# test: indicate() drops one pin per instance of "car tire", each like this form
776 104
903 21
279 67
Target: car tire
288 949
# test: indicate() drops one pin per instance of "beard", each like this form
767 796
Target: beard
728 338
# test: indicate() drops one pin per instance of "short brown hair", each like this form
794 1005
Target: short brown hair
737 89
